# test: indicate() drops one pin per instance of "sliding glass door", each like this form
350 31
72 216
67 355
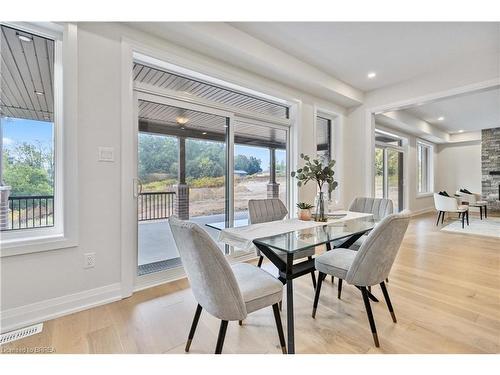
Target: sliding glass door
389 165
182 171
202 165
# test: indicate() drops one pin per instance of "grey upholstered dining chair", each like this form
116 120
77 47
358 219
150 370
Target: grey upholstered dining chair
368 266
272 209
379 207
228 293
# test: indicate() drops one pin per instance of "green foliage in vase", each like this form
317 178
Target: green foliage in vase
317 171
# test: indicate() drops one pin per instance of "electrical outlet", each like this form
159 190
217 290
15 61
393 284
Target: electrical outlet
89 260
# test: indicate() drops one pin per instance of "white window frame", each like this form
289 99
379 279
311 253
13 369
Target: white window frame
430 169
403 148
64 233
336 149
133 51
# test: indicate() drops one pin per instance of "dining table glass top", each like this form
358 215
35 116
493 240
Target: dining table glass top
303 239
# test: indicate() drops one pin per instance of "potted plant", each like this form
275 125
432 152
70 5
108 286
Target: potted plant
304 211
315 170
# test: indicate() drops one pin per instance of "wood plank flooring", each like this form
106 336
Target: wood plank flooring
445 288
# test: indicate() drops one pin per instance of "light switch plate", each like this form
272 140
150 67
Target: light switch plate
106 154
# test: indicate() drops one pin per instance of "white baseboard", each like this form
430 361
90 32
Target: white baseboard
422 211
38 312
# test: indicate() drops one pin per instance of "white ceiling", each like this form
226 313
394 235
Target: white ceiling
470 112
395 51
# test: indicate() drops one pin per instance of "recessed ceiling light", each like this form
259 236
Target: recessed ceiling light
460 131
204 133
181 120
440 118
372 75
23 38
39 92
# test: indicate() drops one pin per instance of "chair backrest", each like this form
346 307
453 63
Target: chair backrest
469 198
379 207
264 210
444 203
376 255
210 275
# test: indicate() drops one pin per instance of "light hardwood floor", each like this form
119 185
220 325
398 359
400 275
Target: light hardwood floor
445 289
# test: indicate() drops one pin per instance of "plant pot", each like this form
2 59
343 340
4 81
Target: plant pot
305 214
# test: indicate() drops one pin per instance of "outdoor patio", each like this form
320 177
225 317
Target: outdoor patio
156 244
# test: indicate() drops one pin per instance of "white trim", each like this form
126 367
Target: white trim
37 312
422 211
128 235
336 146
131 48
430 171
64 234
178 273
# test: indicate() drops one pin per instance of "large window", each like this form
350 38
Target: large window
424 168
27 169
323 138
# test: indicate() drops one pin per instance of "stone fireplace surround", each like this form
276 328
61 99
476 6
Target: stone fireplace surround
490 167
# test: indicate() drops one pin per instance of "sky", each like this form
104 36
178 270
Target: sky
260 153
17 131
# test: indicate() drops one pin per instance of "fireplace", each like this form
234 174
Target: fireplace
490 166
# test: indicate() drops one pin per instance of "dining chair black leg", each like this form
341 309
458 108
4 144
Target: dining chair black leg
370 289
277 318
221 337
333 280
485 212
261 258
463 220
240 322
313 275
442 217
467 217
387 280
193 327
481 212
439 217
339 289
280 305
388 301
321 277
368 308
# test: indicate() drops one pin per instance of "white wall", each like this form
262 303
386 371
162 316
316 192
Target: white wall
459 166
358 155
44 285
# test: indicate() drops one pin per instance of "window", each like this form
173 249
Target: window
424 168
38 210
27 128
323 138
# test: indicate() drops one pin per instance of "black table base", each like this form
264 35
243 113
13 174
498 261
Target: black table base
289 271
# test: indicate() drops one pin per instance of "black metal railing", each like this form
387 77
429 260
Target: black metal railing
154 206
27 212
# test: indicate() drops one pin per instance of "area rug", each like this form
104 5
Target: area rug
489 227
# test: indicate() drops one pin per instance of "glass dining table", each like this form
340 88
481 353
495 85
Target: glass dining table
282 249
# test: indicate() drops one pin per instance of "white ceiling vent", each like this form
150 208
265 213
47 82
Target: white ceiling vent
21 333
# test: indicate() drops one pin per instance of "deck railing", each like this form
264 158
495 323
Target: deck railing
27 212
155 205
